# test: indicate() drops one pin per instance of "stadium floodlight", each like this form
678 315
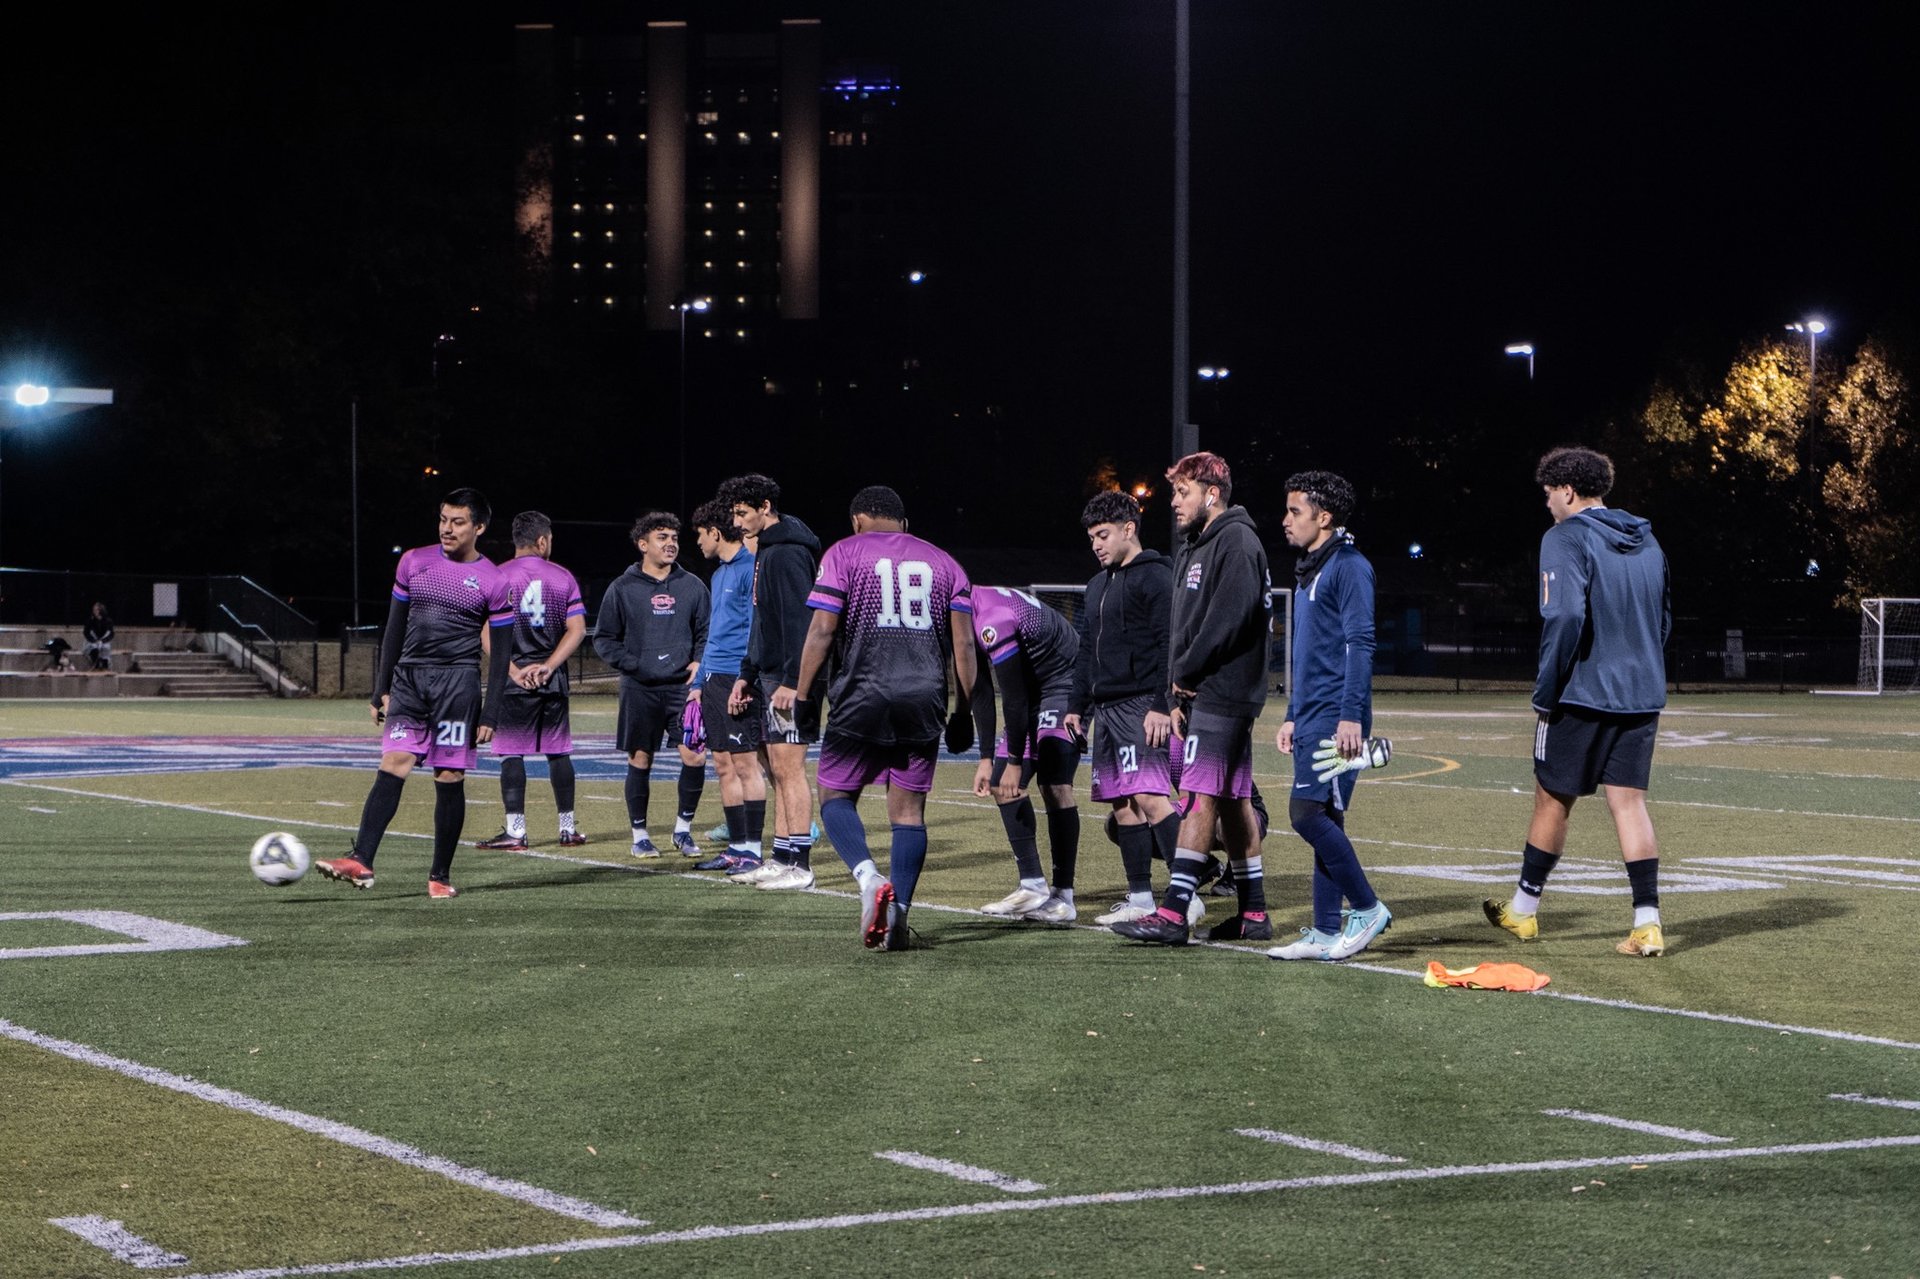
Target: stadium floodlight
29 396
1212 373
1526 349
33 400
916 277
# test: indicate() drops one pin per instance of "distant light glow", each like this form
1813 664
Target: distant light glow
915 277
1416 551
1813 568
1519 348
29 396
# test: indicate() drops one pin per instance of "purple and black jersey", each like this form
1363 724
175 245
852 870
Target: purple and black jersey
447 605
1011 623
894 594
543 596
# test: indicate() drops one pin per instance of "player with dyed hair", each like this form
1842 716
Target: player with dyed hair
652 628
733 741
549 623
1030 651
785 555
892 611
1217 672
426 686
1605 614
1330 713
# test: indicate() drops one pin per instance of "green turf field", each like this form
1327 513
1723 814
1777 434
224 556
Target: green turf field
588 1065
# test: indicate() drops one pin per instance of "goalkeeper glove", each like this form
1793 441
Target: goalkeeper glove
693 728
1327 763
960 732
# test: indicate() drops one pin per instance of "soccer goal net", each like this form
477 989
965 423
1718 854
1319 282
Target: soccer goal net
1067 599
1889 646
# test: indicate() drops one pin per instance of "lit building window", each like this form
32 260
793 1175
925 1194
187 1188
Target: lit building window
609 266
707 117
641 136
576 137
742 234
741 265
707 233
609 208
776 135
709 205
709 137
739 333
741 136
576 266
840 138
609 235
579 118
740 301
576 235
609 301
741 205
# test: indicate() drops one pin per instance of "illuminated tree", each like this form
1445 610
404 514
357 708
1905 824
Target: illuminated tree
1870 485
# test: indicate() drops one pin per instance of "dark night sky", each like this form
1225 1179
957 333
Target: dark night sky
1383 196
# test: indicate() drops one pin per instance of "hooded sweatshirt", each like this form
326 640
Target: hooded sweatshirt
652 629
1605 614
784 564
1222 599
1123 634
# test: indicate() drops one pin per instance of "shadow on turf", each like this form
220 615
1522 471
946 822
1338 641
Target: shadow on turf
1693 934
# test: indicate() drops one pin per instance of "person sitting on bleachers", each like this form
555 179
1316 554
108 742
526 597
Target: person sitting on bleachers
99 639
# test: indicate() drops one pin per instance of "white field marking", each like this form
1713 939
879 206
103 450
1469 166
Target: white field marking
999 1207
1323 1147
399 1152
1598 881
1669 803
1822 862
1634 1125
51 812
964 1172
1625 1005
150 935
329 803
118 1242
1379 715
1865 1100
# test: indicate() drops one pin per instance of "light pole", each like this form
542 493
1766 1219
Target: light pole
1813 328
1526 349
33 398
684 306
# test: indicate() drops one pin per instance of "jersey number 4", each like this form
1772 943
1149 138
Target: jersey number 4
906 594
533 604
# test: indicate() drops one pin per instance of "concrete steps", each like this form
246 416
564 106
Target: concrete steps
137 672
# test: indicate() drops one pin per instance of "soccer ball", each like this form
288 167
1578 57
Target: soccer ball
278 858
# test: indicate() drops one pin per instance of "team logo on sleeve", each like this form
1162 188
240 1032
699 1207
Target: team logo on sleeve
1193 576
663 605
988 636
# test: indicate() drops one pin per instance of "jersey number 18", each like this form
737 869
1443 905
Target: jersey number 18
906 595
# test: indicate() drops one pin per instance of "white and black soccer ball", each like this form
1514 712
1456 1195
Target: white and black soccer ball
278 858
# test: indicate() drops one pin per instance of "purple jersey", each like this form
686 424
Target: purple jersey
543 596
447 604
1010 623
893 593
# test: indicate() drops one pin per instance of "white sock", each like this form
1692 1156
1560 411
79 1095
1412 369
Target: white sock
1064 894
1143 900
1034 885
517 825
1644 915
866 874
640 833
752 846
681 826
566 823
1524 903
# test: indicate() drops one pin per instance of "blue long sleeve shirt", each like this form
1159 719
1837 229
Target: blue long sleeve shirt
1333 644
731 587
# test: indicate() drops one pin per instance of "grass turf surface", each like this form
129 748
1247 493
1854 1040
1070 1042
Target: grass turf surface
700 1054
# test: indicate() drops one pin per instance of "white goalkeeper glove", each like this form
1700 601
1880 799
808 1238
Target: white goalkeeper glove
1327 763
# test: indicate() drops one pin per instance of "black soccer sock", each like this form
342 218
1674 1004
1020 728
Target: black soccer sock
560 769
841 820
1535 865
1644 876
802 846
906 855
736 815
1314 821
1249 881
756 819
1022 835
1063 841
1183 882
638 787
693 781
383 801
1136 857
449 815
1166 836
513 784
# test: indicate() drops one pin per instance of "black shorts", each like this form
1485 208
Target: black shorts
1576 751
647 712
802 726
1052 763
727 734
532 724
432 711
1123 763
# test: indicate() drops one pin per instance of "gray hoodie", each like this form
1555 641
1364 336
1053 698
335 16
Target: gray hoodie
1605 614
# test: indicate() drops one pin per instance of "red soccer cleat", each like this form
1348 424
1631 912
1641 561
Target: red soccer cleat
440 890
571 839
877 916
348 870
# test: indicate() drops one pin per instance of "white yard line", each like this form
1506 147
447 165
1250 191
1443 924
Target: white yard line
149 934
399 1152
113 1238
998 1207
1670 803
1322 1147
963 1172
1863 1099
1635 1125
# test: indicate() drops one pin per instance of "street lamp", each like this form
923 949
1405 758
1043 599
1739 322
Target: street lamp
1813 328
38 400
1526 349
683 306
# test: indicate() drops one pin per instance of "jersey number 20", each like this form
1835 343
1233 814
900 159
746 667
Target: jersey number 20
906 594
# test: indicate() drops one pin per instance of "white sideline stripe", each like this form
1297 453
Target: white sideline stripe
965 1172
1323 1147
1862 1098
1635 1125
149 934
50 812
1670 803
1625 1005
113 1238
996 1207
399 1152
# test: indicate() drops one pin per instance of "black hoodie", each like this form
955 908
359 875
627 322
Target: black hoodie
650 629
784 564
1123 634
1222 599
1604 615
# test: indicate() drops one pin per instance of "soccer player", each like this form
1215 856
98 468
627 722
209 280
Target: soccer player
733 740
1217 672
1030 651
549 623
892 610
426 686
1120 693
785 556
652 628
1330 698
1605 614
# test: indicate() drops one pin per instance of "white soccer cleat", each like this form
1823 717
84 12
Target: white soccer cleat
1055 910
1017 903
1123 913
1196 911
1313 944
786 877
765 870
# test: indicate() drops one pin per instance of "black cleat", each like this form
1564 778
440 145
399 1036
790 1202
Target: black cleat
899 936
503 842
1154 928
1240 928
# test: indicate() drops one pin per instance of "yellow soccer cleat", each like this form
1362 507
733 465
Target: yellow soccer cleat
1525 927
1645 942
